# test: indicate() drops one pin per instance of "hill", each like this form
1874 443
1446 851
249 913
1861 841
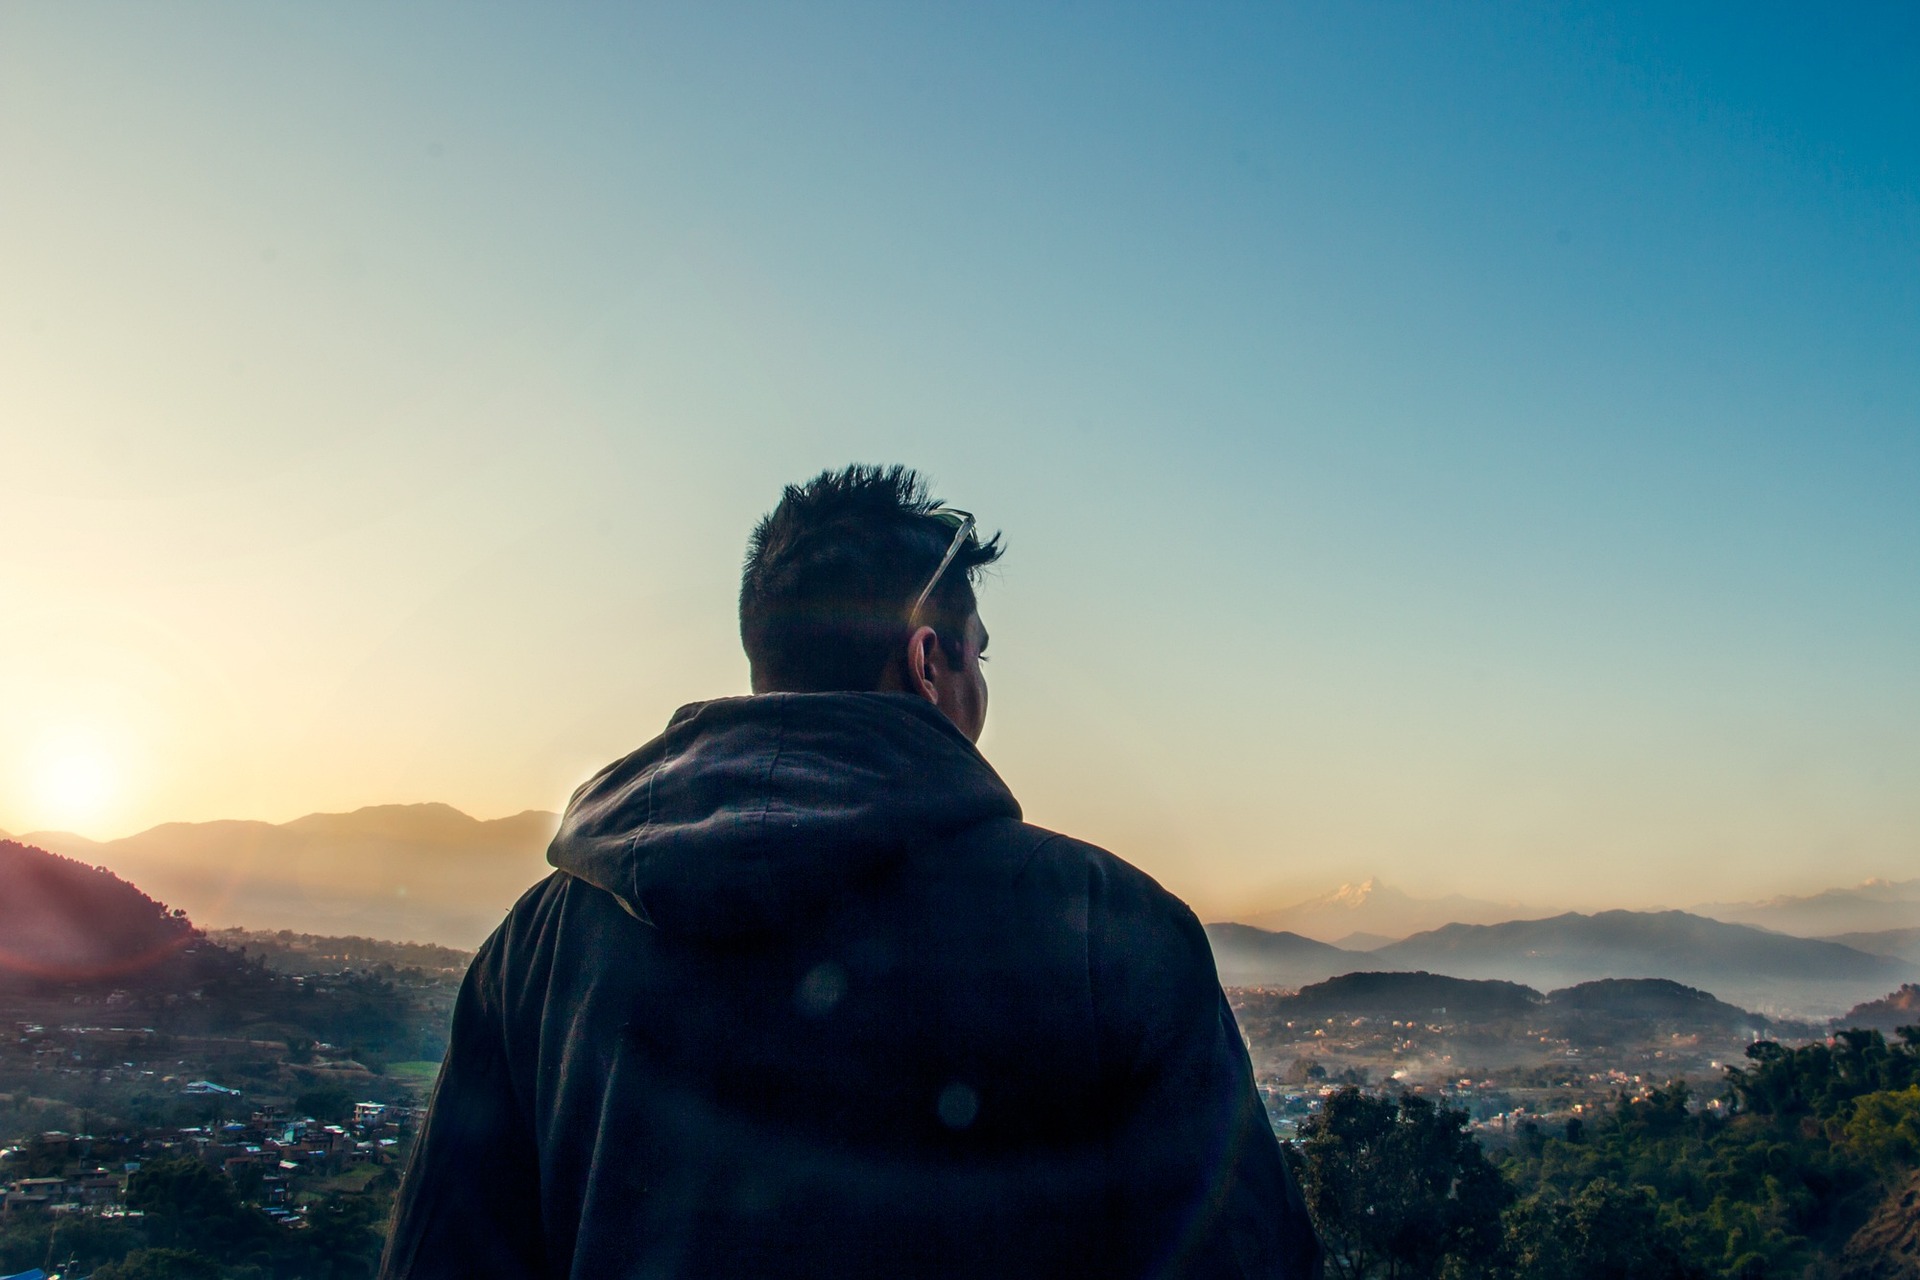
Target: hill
1415 995
1652 1000
285 951
1901 944
63 921
1250 957
1889 1013
1421 995
1768 971
423 872
1887 1245
1377 908
1871 906
110 973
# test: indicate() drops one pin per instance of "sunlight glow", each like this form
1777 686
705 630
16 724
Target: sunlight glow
76 780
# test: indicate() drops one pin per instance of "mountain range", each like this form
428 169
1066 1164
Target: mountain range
1771 972
1871 906
429 873
419 872
1249 957
1370 913
1774 973
1901 944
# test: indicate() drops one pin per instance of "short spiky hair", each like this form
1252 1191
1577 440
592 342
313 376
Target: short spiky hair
832 572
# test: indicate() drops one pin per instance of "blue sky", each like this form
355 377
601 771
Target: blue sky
1473 445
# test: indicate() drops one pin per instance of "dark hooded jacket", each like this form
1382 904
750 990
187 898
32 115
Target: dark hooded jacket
806 998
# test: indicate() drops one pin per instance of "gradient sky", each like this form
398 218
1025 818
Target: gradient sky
1474 445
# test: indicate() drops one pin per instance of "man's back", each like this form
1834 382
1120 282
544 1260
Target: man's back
807 998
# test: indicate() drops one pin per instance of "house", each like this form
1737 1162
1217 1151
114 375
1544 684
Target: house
207 1088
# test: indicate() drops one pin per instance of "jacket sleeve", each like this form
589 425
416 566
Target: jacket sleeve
469 1205
1201 1187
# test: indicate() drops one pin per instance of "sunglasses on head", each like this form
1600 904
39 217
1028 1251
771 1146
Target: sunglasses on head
963 525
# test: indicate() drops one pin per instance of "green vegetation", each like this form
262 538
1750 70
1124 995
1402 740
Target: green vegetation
285 951
191 1219
174 1109
1398 1187
1796 1167
1772 1179
417 1075
197 1223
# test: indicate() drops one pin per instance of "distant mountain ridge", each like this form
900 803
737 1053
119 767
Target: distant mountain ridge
1774 973
1368 913
430 873
1771 972
1901 944
1373 907
1250 957
1870 906
424 873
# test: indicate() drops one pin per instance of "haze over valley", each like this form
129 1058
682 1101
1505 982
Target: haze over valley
412 873
429 873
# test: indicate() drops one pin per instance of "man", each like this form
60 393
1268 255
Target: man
806 998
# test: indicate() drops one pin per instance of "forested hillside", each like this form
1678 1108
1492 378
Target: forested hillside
64 921
1803 1166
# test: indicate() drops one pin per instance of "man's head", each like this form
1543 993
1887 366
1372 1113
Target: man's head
832 575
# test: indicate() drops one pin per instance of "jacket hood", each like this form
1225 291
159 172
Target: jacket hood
749 814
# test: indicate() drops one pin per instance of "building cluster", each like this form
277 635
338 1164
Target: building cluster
1504 1074
1497 1106
270 1156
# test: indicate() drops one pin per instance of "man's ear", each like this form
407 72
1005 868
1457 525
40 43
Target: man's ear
926 664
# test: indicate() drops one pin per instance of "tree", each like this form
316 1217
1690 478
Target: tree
1884 1129
88 1242
186 1204
343 1238
160 1264
24 1240
1399 1189
1820 1079
1602 1232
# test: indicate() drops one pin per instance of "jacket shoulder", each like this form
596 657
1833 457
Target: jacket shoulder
514 964
1111 880
1149 965
1135 927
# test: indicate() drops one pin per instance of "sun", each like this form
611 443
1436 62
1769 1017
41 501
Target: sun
76 781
